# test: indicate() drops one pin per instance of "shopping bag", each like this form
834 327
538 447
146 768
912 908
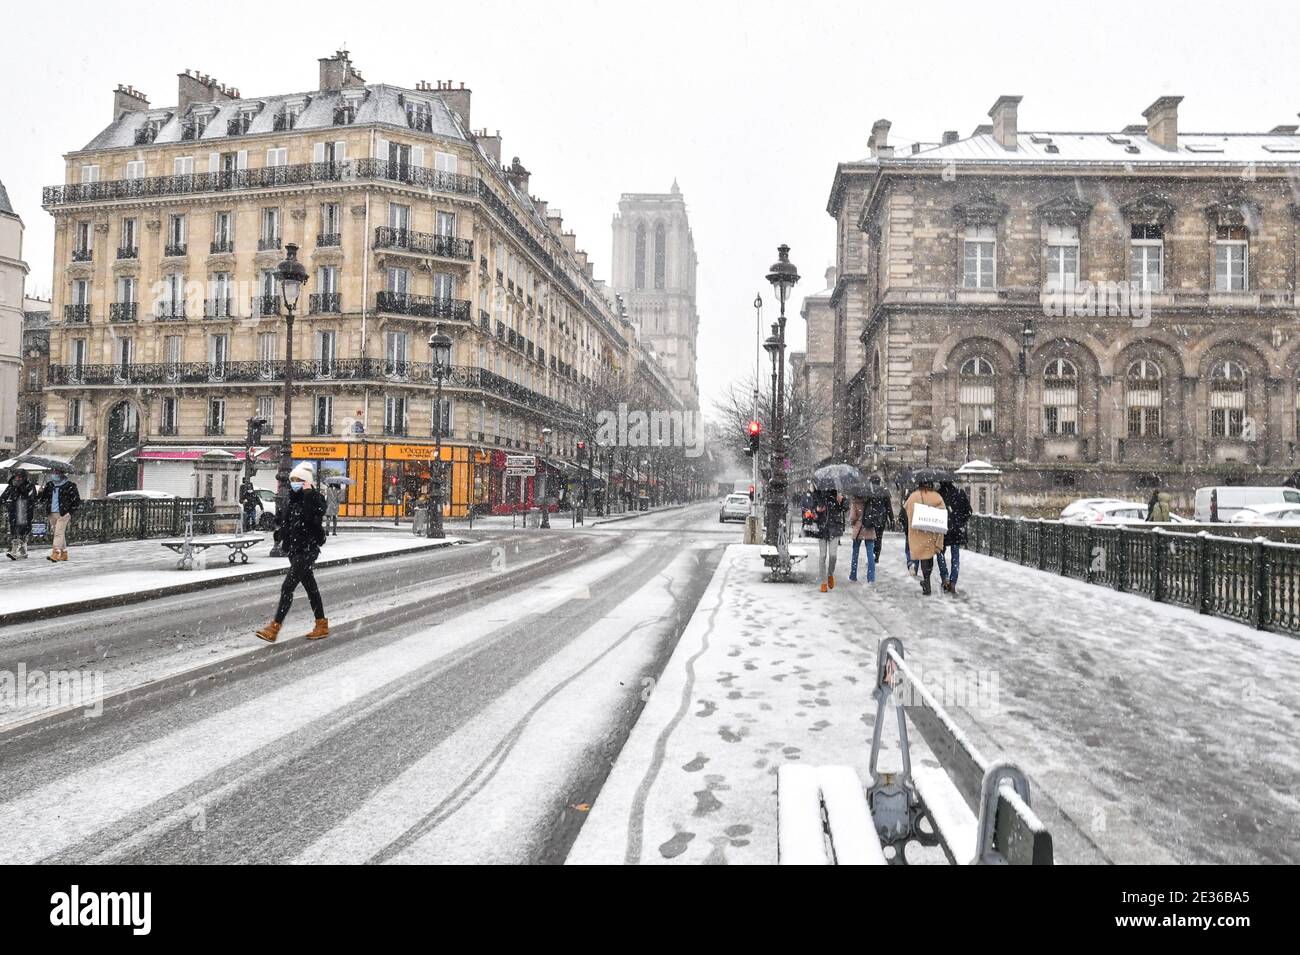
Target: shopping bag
932 519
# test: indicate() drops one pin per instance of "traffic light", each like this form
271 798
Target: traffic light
751 494
755 429
582 446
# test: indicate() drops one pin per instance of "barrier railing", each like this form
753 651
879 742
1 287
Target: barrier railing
102 521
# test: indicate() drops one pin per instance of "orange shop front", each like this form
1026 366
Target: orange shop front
390 477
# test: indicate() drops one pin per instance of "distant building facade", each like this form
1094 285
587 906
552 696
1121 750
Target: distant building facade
35 371
655 270
821 368
13 278
1094 313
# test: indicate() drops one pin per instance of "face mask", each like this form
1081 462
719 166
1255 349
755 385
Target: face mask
296 485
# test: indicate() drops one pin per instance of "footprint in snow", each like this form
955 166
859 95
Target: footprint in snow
676 845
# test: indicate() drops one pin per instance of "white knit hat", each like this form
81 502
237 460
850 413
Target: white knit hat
304 472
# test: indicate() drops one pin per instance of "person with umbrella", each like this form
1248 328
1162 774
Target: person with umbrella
927 522
863 532
19 499
830 485
333 494
959 510
879 511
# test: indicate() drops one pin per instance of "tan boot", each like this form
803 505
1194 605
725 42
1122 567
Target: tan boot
321 630
63 555
54 557
270 631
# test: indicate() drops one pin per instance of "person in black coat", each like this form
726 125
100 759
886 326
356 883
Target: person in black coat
19 500
879 512
829 507
959 510
61 499
300 532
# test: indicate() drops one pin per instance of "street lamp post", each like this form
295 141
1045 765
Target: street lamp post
440 352
546 504
783 276
292 275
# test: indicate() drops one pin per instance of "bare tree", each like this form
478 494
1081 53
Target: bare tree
734 408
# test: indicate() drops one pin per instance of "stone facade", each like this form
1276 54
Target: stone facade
654 270
820 371
13 277
1095 313
35 371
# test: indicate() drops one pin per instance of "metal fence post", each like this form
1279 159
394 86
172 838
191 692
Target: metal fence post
1121 560
1061 551
1203 578
1089 538
1260 615
1157 566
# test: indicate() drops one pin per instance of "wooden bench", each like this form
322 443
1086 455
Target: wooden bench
975 809
188 547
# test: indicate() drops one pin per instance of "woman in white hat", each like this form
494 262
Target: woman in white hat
300 532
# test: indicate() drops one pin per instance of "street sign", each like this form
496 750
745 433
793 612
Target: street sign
521 461
880 448
521 472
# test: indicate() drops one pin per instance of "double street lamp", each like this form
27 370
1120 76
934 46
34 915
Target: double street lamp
440 355
291 275
783 276
546 503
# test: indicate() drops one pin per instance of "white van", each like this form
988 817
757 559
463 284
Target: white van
1224 502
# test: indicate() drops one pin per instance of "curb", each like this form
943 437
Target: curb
211 583
632 517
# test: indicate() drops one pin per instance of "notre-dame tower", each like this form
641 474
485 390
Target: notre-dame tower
654 271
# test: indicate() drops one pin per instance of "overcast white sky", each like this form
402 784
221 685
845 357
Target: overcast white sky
749 105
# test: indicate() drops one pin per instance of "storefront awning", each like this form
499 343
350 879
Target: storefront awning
162 452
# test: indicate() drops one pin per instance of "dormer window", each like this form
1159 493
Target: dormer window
239 125
289 114
345 115
147 133
419 116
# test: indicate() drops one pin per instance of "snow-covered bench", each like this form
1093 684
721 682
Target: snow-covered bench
188 547
975 809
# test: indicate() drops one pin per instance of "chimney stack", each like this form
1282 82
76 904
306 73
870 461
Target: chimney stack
491 145
457 101
555 221
1004 119
338 73
518 175
128 99
570 241
878 144
950 136
1162 122
195 87
540 206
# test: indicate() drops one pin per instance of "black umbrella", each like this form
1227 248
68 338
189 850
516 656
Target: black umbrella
844 478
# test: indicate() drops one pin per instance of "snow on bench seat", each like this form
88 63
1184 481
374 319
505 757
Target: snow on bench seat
956 824
802 792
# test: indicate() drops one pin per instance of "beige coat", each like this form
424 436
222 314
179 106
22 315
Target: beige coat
923 544
857 531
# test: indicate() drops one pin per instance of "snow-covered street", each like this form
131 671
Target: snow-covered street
1150 733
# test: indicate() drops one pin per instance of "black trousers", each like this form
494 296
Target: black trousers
927 567
880 539
300 571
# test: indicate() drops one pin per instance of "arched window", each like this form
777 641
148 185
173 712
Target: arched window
1227 399
661 255
1143 398
1060 397
976 396
640 256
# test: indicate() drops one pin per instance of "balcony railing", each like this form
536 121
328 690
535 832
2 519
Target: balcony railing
222 246
123 311
321 303
128 252
76 314
82 255
169 312
215 427
398 430
218 308
416 176
230 180
422 306
74 429
168 430
423 243
328 239
485 320
268 243
266 305
174 250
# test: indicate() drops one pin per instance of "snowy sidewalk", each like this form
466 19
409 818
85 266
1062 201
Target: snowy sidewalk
135 570
1149 733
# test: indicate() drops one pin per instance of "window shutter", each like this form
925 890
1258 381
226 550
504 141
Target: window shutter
318 152
340 151
241 159
381 149
417 155
214 162
270 157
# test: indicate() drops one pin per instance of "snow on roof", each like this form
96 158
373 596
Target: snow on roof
379 105
1058 147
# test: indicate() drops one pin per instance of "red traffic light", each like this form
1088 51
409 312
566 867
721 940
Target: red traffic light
751 490
582 445
755 428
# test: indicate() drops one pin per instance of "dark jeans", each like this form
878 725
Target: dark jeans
300 571
956 565
880 539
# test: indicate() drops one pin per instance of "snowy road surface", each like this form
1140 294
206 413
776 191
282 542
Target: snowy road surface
1149 733
440 723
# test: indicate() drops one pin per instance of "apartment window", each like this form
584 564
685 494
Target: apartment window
397 353
1060 398
419 116
394 414
330 221
1142 397
326 350
216 416
78 355
1231 258
446 223
176 233
220 306
183 166
979 256
266 409
130 240
172 349
323 416
270 238
219 352
976 396
1062 257
223 232
170 415
90 173
443 418
135 169
125 356
1147 263
277 156
33 379
399 217
331 152
1227 400
126 290
399 159
444 162
268 347
84 239
444 285
399 281
75 422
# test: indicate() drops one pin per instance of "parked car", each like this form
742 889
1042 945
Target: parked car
141 496
1110 512
1284 514
734 508
1086 504
1223 503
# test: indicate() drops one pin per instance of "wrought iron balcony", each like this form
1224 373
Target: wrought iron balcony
422 306
229 180
169 312
128 252
174 250
218 308
168 430
328 239
423 243
214 427
123 311
76 314
222 246
397 430
411 175
266 305
82 255
320 303
74 429
485 320
268 243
